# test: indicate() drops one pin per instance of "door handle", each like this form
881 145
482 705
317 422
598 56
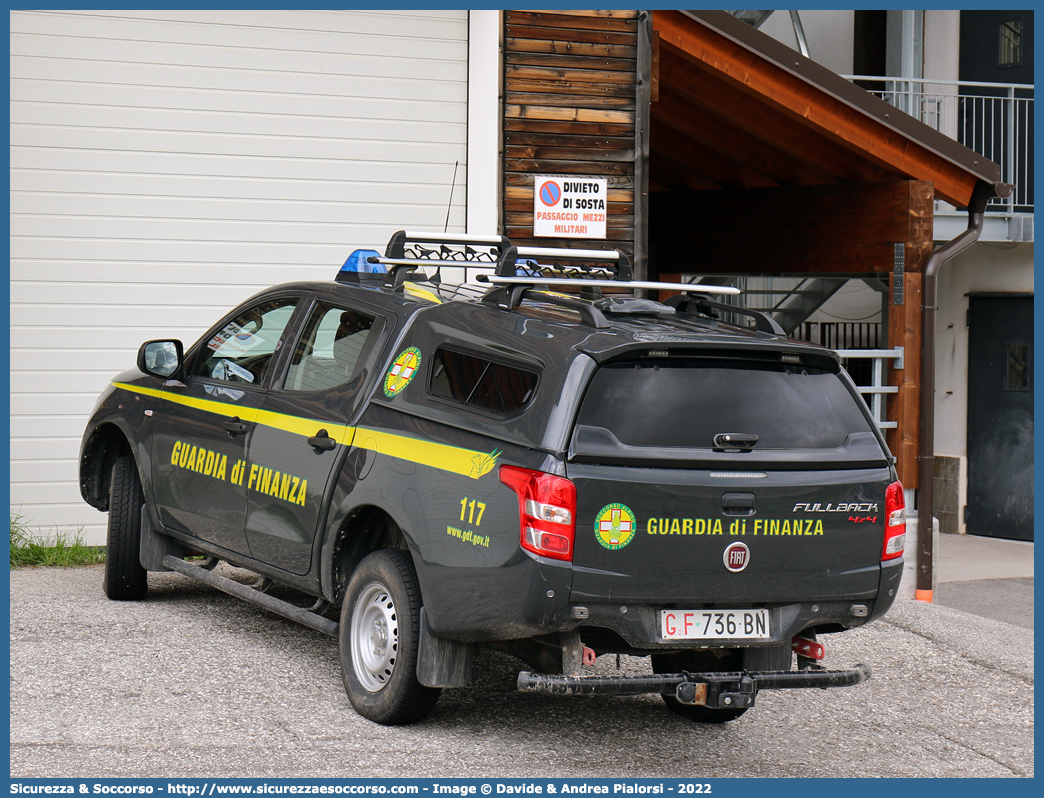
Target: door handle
322 441
234 426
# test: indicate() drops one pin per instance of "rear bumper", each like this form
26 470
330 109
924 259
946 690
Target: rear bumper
733 690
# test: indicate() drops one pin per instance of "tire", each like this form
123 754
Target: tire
696 662
125 579
380 629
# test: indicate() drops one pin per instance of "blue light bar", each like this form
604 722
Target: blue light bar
357 262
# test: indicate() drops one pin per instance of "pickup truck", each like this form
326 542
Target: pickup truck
463 443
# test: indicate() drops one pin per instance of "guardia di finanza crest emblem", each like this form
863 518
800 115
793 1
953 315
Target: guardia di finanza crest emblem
615 525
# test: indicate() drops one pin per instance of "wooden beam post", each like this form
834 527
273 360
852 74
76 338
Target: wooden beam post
904 329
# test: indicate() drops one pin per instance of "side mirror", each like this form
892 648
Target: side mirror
160 358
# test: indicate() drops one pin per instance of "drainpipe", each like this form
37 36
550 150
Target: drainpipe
926 458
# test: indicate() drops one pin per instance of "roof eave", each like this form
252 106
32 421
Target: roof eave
976 167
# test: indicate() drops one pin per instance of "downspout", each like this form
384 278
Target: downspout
643 113
929 305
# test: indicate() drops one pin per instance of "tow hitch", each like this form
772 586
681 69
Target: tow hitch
719 692
727 690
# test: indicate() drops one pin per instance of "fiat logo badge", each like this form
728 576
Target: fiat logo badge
736 557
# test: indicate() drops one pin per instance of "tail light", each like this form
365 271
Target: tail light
547 511
895 522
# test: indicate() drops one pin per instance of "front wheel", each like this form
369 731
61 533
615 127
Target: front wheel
380 630
696 662
125 579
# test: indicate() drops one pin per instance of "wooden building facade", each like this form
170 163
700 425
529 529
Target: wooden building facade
574 105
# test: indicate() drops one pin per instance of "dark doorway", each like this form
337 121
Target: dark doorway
870 46
997 47
1000 416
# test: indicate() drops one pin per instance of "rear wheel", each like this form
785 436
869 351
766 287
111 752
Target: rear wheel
125 579
697 662
380 629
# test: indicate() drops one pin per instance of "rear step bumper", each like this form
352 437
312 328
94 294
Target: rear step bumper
731 690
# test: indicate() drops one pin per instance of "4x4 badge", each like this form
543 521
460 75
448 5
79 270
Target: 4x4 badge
615 525
402 371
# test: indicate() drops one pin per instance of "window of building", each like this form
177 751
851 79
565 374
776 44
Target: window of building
1017 371
1009 46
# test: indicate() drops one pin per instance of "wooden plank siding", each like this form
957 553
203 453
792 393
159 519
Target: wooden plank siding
570 108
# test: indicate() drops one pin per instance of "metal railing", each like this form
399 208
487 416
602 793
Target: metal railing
993 119
842 334
875 394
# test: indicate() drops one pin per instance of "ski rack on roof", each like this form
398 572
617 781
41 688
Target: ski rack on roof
408 249
517 277
585 263
584 268
517 274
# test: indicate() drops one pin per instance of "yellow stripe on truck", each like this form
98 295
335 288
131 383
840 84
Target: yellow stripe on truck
295 425
206 405
465 462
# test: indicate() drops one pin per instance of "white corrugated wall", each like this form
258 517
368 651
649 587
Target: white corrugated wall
167 164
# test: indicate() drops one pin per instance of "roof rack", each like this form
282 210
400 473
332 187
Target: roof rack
408 249
693 305
517 274
517 277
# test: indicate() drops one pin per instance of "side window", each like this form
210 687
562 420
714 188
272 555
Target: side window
330 348
242 350
481 383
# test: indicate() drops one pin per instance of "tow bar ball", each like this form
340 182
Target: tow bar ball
723 695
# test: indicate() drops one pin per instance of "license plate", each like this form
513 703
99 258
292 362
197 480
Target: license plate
724 624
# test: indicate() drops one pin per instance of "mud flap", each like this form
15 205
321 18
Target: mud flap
153 547
442 662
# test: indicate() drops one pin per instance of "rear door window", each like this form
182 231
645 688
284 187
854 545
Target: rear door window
685 402
331 348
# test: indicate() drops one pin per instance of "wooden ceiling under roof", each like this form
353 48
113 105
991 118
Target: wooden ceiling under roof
733 108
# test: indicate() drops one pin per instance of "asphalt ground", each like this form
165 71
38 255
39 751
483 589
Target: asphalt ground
987 576
192 683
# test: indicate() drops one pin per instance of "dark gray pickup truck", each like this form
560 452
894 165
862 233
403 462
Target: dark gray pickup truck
535 457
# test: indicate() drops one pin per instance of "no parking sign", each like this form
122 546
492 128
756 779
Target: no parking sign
569 207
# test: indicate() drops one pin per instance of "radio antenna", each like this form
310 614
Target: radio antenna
449 205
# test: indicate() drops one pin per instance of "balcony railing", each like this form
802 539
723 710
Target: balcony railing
993 119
